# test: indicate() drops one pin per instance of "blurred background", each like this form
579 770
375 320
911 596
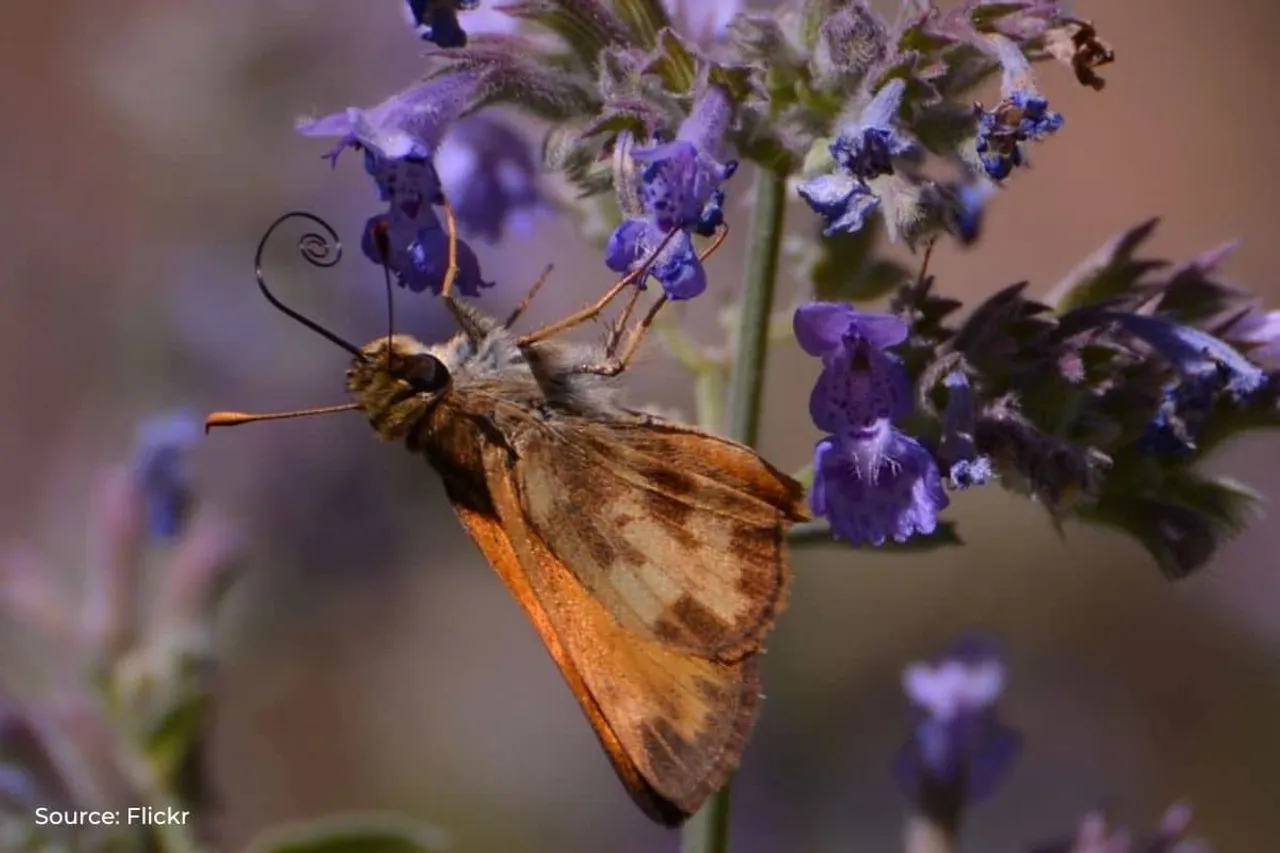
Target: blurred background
371 657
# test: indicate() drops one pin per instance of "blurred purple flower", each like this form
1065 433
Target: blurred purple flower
490 173
1096 835
1022 115
864 150
871 482
965 466
959 751
973 198
679 191
161 468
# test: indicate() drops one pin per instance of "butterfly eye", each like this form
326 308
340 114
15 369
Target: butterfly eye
425 373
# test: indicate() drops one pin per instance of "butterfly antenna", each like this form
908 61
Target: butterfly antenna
320 249
226 419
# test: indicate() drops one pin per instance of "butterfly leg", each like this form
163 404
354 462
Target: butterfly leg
465 319
613 365
597 308
620 325
528 298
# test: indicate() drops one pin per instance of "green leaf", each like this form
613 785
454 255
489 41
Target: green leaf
1183 523
1229 420
1109 272
587 26
353 832
645 19
673 62
816 533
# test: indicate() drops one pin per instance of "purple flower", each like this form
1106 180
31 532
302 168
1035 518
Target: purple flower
1022 115
161 468
959 751
677 267
965 466
864 150
490 175
843 201
1197 355
871 482
880 485
400 138
681 178
679 191
417 253
410 123
437 20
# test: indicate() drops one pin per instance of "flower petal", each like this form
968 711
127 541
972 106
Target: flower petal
1195 353
840 199
876 493
821 327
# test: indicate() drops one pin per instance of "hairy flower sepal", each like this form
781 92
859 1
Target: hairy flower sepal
871 482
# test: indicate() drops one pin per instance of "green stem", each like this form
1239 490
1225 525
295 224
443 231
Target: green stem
746 384
708 830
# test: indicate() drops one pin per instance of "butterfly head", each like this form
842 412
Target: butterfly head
395 382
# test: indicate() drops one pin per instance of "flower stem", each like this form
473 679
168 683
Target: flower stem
746 384
708 830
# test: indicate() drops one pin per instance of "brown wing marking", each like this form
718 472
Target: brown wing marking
691 553
672 724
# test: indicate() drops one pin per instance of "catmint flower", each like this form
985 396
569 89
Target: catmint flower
489 172
161 469
871 482
400 138
965 466
959 751
679 191
864 150
437 20
1197 355
409 123
1022 115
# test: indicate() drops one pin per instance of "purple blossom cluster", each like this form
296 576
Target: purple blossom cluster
657 111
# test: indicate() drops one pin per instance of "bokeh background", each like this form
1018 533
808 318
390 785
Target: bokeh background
371 659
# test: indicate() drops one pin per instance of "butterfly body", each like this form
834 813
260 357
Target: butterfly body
649 555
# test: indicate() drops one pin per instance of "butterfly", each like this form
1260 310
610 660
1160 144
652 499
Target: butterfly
649 555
